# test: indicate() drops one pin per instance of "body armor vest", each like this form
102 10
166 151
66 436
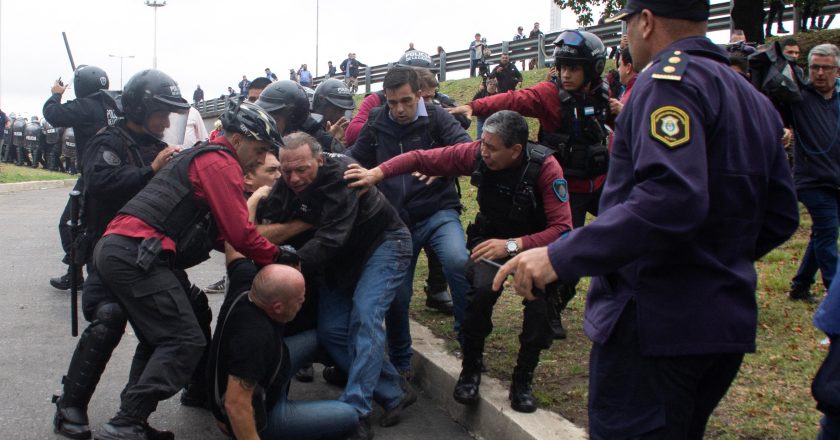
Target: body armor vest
509 203
581 143
167 204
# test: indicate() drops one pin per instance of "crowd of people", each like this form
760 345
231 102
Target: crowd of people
322 215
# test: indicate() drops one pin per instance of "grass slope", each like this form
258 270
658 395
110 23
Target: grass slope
13 173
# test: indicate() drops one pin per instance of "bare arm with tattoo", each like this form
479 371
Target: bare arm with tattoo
238 406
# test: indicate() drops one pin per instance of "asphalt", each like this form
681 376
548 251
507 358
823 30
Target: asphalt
36 341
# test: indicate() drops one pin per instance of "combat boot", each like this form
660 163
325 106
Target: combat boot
71 422
521 396
799 292
467 389
63 282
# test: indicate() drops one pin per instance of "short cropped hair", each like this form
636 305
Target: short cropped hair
508 125
298 139
399 76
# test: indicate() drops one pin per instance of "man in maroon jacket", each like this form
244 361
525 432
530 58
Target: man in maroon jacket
534 213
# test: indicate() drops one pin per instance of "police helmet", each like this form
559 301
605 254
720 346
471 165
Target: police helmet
332 92
34 119
151 91
251 121
417 58
88 80
287 98
574 47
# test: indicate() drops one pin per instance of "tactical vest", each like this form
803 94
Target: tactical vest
168 204
508 200
580 144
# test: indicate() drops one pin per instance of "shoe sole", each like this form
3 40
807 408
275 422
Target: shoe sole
388 422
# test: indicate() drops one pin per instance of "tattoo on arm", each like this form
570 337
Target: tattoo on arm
248 384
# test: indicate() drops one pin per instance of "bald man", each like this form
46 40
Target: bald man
251 362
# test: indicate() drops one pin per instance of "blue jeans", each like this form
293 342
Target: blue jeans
445 235
479 127
313 419
821 253
350 325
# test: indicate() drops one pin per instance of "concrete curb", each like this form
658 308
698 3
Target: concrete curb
38 184
436 372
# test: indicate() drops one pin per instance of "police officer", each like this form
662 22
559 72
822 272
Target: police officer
573 112
7 139
68 151
18 140
695 195
153 235
31 142
533 214
122 160
87 114
49 145
334 101
288 104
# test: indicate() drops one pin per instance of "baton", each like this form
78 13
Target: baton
69 55
74 267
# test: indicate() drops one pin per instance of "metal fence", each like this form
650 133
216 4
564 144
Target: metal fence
539 49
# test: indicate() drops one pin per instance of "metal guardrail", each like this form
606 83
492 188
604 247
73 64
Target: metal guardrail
525 49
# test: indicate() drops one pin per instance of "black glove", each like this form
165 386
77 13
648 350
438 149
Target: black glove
287 255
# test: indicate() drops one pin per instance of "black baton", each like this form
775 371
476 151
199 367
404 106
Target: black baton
74 266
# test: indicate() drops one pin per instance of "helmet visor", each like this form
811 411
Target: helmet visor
570 38
177 130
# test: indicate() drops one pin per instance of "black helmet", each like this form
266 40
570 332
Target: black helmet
581 48
288 98
88 80
151 91
34 119
333 92
417 58
252 121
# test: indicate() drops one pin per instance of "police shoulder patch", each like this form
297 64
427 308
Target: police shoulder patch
111 158
561 190
670 126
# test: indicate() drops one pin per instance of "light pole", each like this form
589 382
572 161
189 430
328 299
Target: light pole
121 57
155 4
317 23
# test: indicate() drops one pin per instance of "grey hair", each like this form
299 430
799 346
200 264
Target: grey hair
825 50
299 139
510 126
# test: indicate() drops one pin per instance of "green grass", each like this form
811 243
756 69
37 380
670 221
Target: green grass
770 399
13 173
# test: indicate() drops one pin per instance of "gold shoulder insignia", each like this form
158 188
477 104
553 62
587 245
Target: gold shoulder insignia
670 126
672 66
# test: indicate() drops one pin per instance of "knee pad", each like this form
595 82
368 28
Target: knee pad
110 315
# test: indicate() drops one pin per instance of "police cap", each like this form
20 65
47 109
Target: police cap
693 10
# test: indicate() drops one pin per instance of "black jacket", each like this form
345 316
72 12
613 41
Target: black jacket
507 76
86 115
381 139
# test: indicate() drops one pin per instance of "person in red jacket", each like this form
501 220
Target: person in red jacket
573 111
193 204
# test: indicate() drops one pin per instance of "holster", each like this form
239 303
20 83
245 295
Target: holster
148 253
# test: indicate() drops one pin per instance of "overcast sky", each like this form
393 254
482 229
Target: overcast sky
214 42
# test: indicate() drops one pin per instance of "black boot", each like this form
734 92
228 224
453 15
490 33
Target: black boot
521 396
86 366
195 394
799 292
123 429
467 389
63 282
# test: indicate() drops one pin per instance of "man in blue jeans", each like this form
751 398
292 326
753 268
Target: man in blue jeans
826 384
251 356
363 250
816 169
431 209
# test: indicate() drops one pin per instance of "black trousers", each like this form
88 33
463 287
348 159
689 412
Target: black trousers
640 397
163 319
478 322
64 225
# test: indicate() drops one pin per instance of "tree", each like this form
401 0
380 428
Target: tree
746 14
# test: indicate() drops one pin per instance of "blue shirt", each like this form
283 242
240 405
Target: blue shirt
695 194
305 77
827 316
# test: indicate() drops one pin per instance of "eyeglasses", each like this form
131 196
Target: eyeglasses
824 68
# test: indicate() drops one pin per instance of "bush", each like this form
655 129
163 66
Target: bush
807 41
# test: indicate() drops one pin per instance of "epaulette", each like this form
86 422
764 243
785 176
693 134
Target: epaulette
672 66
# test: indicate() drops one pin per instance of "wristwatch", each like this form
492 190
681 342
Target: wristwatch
511 247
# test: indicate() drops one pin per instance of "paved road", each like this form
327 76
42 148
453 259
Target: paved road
37 345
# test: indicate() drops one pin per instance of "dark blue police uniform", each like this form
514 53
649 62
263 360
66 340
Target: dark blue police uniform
695 194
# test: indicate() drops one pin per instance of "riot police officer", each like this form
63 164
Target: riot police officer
334 101
121 160
7 138
18 140
68 151
32 141
573 111
49 147
87 114
286 101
